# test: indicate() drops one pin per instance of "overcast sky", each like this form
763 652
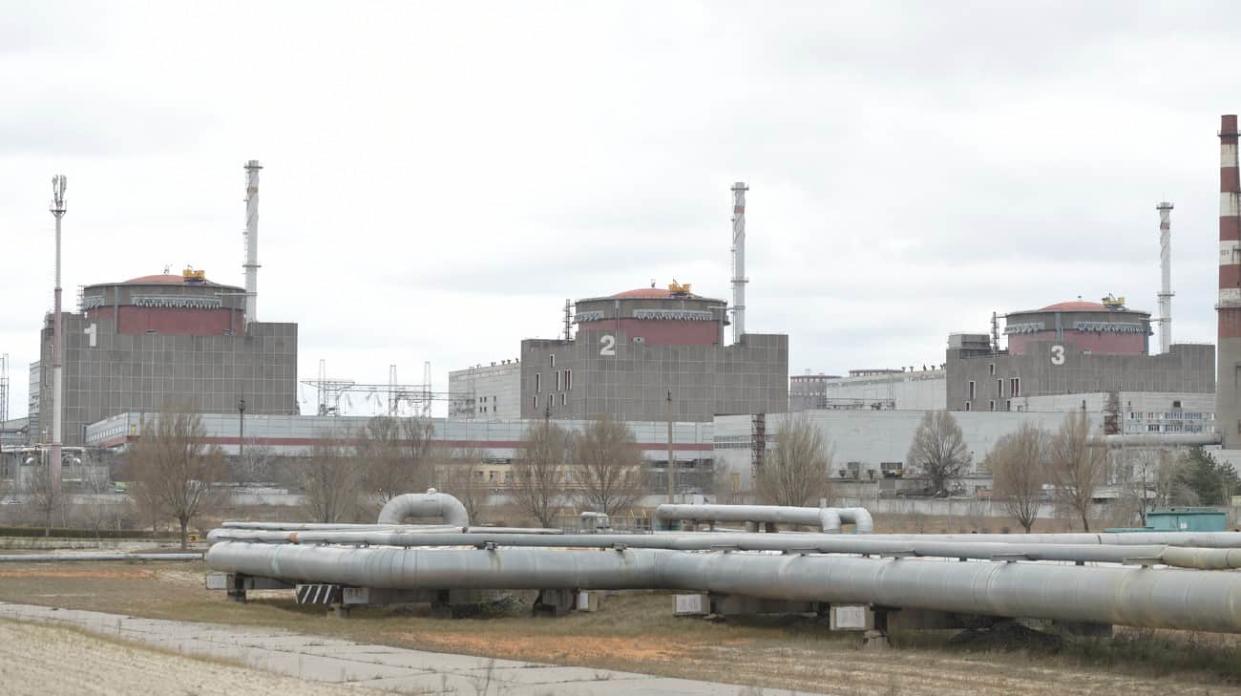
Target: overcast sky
439 177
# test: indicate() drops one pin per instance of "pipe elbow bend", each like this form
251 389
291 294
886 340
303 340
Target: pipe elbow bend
429 504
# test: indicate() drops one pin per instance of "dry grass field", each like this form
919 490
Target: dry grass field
637 632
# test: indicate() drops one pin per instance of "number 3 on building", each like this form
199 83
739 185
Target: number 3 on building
1057 355
607 343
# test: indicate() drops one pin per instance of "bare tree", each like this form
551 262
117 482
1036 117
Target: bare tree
45 499
726 484
395 455
538 484
938 451
97 484
608 463
1018 465
458 474
797 471
176 469
330 480
1076 465
257 464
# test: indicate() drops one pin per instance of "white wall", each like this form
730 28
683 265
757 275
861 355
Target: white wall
909 390
493 391
872 437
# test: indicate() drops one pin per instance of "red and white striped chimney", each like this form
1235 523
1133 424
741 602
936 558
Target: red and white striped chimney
1228 350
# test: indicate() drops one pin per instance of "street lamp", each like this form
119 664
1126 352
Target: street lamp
241 418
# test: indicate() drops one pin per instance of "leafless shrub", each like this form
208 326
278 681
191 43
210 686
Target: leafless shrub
938 451
1018 465
539 484
1076 466
394 454
458 474
174 470
330 480
608 463
796 472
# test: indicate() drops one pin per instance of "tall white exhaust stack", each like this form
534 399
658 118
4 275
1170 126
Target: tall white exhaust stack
1165 269
739 279
252 240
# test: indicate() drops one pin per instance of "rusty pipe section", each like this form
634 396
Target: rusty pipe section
827 519
1133 596
1198 558
434 504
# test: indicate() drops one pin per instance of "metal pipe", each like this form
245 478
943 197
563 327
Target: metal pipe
1194 557
430 504
1178 599
102 556
826 519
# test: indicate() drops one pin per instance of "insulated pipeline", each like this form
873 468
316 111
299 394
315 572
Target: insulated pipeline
1202 558
827 519
1166 598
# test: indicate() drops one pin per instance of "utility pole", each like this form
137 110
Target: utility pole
58 348
672 462
241 428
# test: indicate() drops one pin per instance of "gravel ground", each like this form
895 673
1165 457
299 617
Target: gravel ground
37 659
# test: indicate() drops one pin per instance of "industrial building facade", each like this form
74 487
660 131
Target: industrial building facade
637 350
164 340
1081 355
491 392
879 390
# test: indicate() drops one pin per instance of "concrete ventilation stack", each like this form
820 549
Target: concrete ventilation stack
1165 270
252 240
1228 372
739 279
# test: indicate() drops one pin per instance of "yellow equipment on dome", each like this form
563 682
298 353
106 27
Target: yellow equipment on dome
678 288
1113 302
192 276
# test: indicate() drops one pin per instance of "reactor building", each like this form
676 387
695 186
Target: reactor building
161 341
1083 355
650 354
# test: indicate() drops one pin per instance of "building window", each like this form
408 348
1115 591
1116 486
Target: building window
538 383
971 391
1014 386
992 369
534 402
967 404
568 379
551 361
993 404
999 387
1008 405
1176 404
564 399
551 400
558 383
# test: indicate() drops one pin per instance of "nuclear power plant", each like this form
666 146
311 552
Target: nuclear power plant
660 357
